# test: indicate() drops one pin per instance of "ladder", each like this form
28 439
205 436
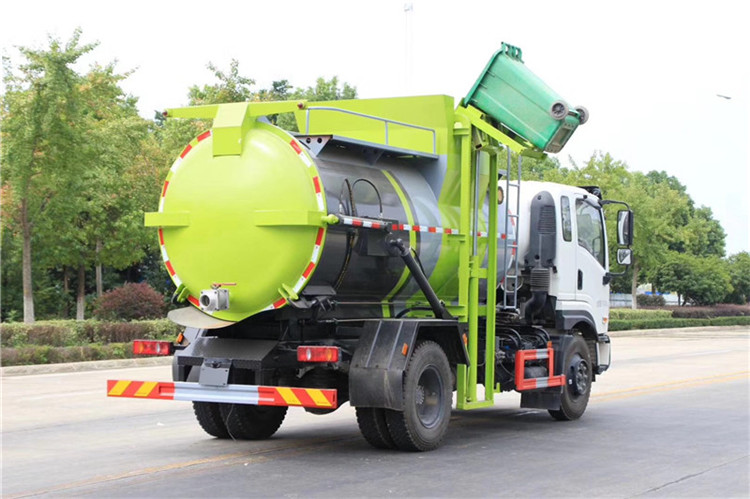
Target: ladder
510 299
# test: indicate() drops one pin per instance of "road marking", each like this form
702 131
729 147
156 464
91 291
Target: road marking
664 387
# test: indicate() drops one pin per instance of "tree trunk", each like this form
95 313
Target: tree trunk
81 298
634 287
99 284
66 291
28 293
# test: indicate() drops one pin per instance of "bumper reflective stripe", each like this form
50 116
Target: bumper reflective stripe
230 394
318 398
146 389
288 395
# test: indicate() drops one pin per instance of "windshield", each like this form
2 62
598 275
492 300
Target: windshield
590 230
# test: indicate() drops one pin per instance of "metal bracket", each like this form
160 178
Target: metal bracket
522 356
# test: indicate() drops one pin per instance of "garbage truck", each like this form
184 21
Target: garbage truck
386 254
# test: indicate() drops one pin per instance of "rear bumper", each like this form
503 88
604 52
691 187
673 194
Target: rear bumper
229 394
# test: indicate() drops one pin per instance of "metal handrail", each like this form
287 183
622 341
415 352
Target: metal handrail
386 121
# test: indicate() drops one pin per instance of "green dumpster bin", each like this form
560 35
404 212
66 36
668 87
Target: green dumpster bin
511 94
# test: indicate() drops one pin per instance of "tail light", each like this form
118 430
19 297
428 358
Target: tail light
152 347
318 354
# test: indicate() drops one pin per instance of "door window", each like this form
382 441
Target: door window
565 215
590 230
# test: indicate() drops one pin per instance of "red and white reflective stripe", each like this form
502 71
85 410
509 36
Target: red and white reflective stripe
283 396
374 224
319 193
165 257
301 153
316 179
314 258
170 175
178 162
523 383
363 222
423 228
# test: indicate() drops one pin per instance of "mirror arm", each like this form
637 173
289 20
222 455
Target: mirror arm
603 202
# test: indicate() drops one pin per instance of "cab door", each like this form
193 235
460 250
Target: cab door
591 260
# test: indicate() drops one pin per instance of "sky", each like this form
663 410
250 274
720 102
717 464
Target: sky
648 71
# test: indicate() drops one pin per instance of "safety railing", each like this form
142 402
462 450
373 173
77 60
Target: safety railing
385 121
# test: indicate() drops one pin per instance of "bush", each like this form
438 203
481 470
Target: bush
650 300
630 314
130 302
80 333
723 310
626 325
36 354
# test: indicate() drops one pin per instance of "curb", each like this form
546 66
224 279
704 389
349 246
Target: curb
92 365
688 330
100 365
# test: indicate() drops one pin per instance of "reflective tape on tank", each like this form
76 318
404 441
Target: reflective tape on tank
172 171
319 398
316 179
376 224
319 196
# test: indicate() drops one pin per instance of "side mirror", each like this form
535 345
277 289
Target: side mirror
625 256
624 229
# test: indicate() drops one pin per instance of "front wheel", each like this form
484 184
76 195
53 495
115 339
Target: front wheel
578 377
423 423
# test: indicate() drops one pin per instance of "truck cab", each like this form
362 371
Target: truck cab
574 251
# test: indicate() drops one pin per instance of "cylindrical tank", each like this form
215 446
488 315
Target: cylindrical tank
256 225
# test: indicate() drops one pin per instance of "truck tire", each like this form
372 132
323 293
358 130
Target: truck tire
251 422
209 418
578 378
423 423
374 427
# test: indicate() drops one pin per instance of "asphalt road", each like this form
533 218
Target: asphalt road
671 418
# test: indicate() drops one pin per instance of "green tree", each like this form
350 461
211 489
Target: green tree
698 280
739 274
232 87
704 236
323 90
42 143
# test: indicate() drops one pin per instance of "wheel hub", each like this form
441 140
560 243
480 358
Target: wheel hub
579 375
428 397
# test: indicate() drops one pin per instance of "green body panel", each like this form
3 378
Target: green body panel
520 100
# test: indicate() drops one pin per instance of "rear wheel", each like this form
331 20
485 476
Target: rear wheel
423 423
208 415
251 422
374 427
578 378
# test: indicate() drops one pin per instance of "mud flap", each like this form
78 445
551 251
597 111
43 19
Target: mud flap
377 367
549 399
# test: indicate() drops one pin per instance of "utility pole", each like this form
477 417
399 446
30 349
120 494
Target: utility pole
409 42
